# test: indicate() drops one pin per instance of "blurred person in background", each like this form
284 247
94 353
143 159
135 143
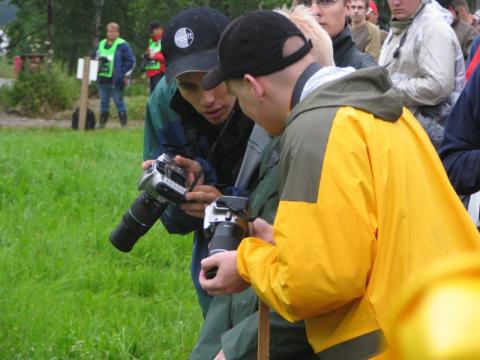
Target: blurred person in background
332 16
425 62
365 34
155 61
374 17
465 15
465 32
460 150
116 63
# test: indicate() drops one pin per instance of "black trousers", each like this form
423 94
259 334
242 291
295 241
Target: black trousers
154 81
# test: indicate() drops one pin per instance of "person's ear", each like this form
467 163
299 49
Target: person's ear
255 87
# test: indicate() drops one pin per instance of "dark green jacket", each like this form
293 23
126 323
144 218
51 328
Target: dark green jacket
231 323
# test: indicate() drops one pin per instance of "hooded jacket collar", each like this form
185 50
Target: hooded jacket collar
368 89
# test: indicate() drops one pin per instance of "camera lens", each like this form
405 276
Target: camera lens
226 237
138 219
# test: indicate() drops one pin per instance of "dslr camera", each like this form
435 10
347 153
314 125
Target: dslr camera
103 63
143 62
163 183
225 225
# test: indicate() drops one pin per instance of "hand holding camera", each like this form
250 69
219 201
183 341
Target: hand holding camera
227 280
163 183
193 169
200 195
225 225
198 200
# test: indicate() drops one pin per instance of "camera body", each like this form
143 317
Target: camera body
103 63
163 183
225 224
143 62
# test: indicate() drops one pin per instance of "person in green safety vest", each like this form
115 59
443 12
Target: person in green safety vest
116 63
155 64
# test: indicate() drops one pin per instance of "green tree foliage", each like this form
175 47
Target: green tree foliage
74 22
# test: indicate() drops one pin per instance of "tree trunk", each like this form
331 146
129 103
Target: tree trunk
98 21
49 42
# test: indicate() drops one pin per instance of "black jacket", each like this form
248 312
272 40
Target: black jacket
346 53
227 156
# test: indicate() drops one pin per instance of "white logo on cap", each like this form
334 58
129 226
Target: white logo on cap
183 37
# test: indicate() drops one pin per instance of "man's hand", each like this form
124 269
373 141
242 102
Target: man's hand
220 356
227 280
192 168
146 164
201 196
151 55
262 230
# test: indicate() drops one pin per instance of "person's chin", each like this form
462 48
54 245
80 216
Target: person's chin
399 15
215 117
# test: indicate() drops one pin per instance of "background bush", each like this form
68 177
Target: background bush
40 94
6 68
138 87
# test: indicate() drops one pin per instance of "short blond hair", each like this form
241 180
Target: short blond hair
306 22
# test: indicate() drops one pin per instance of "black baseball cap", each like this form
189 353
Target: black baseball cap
190 40
253 44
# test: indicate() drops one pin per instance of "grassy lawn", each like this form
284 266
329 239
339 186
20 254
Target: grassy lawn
65 292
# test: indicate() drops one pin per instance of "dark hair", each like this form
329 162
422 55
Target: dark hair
447 4
154 25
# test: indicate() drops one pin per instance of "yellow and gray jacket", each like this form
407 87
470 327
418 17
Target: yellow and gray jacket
364 203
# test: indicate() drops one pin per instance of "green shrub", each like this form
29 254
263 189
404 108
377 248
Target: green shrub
41 94
6 68
136 88
136 107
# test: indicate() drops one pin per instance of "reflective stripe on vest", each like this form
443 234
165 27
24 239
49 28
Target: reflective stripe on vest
154 47
108 55
361 347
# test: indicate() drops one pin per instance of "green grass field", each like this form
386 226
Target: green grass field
65 291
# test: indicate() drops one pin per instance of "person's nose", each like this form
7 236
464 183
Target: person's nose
208 98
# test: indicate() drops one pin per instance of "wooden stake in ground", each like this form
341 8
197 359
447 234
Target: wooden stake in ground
263 331
82 116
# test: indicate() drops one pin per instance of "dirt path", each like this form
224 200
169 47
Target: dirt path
12 121
59 120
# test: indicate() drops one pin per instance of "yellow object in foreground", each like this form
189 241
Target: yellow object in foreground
439 317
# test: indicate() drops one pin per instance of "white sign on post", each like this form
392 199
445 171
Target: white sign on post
93 70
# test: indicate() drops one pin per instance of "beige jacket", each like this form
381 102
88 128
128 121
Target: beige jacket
428 67
367 38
